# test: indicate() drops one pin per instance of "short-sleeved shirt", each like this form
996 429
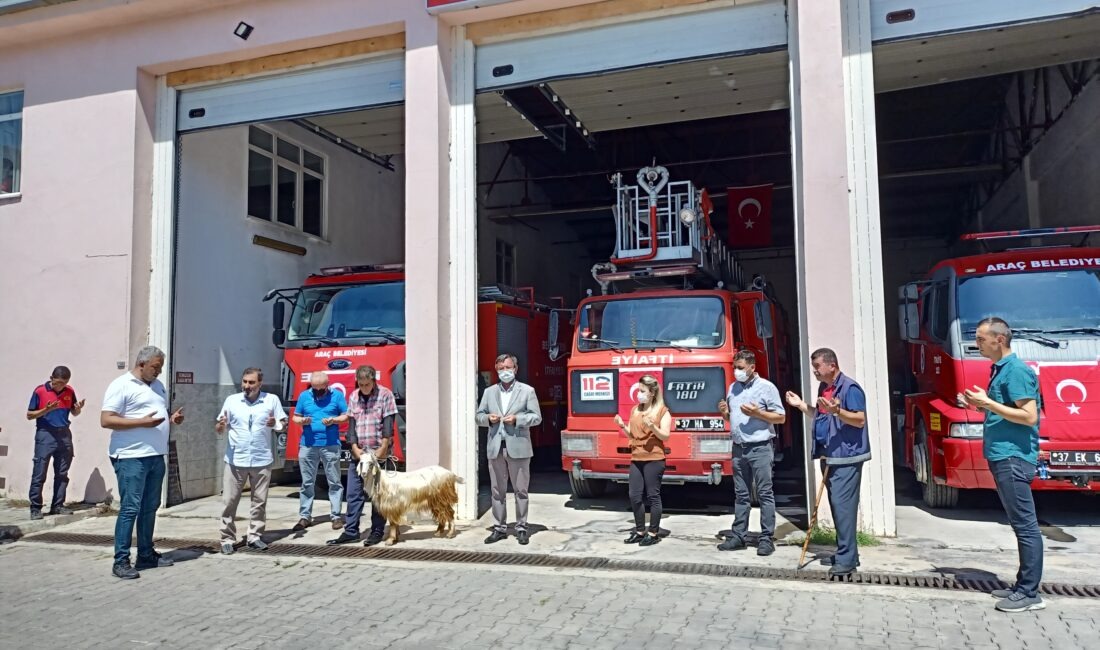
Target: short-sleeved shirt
369 411
59 417
133 399
759 391
330 405
1011 380
855 401
248 443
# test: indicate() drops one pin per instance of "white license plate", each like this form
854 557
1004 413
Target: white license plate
345 455
1075 458
700 424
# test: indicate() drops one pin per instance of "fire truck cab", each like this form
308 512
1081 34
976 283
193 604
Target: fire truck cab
675 305
1050 297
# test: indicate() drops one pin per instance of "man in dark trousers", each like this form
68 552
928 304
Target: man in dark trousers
1011 447
50 407
509 408
840 440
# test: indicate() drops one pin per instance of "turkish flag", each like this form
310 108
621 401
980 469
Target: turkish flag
1071 401
628 389
750 216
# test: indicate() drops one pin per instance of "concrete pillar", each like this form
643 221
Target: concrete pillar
440 252
838 238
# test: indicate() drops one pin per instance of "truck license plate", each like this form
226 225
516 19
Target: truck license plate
700 424
345 455
1075 458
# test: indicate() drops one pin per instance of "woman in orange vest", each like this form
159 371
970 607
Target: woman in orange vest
650 426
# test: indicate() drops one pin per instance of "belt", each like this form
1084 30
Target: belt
64 429
750 445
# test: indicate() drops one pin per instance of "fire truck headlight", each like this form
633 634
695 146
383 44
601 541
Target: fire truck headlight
716 446
687 216
966 430
574 444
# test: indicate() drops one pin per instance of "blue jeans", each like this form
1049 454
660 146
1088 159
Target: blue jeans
308 459
1013 477
139 487
843 483
357 501
56 446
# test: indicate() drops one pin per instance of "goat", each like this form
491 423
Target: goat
428 490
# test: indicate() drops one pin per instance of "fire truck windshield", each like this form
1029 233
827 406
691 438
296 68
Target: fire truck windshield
1045 301
645 323
334 314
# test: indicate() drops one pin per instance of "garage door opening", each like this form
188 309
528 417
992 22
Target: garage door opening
555 158
986 131
306 213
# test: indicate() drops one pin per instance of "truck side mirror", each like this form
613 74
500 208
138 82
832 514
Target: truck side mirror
764 326
278 314
278 337
908 318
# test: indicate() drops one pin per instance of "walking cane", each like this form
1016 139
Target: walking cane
813 518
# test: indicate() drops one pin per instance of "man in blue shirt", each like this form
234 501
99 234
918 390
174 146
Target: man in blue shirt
50 407
320 411
842 444
1011 447
753 408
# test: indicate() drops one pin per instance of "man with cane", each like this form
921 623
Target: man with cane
840 440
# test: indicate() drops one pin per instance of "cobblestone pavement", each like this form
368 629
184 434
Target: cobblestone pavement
64 597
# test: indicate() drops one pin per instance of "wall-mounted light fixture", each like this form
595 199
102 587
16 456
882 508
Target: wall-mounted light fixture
243 31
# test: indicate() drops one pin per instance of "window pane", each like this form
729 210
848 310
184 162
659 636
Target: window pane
259 138
289 151
288 186
11 141
312 197
314 162
259 185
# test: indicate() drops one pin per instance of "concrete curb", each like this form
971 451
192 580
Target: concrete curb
10 531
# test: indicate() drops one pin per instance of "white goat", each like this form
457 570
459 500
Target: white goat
428 490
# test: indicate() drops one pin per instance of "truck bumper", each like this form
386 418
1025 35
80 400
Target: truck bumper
967 468
685 472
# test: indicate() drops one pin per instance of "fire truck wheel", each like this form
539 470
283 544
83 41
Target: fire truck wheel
935 495
586 488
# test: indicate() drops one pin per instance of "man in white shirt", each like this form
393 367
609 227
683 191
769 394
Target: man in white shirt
135 409
250 417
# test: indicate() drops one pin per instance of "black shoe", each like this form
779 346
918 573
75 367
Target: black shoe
125 571
765 547
344 538
373 539
522 537
258 545
495 537
634 538
61 510
732 544
36 514
828 560
839 570
158 561
301 525
649 540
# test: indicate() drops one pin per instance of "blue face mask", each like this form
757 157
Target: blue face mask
319 393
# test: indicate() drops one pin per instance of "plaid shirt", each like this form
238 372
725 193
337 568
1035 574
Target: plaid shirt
368 412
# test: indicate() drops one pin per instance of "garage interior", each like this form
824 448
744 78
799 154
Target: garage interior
949 135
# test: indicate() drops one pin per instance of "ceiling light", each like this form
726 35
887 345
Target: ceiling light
243 31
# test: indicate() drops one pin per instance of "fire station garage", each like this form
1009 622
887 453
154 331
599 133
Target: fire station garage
656 156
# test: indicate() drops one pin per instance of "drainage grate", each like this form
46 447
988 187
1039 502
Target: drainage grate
567 562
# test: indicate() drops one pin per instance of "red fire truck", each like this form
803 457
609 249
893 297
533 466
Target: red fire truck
349 316
1050 297
675 305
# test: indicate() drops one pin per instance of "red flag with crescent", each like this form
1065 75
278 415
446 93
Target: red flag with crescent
1071 401
750 216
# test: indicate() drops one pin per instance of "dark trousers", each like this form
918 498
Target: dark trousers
843 483
139 488
645 489
56 445
1013 477
753 462
357 499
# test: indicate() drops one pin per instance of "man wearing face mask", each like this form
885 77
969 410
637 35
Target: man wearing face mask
840 440
753 408
509 409
320 411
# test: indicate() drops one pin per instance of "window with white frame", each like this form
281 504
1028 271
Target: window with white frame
11 141
286 182
506 263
